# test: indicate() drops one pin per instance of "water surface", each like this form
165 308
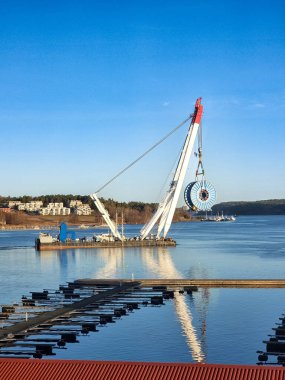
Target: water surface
214 325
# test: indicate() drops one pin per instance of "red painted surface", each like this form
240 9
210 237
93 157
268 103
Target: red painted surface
198 112
31 369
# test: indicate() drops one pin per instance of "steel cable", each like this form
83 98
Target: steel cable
144 154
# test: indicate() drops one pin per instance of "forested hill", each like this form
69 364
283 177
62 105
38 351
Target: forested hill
140 212
268 207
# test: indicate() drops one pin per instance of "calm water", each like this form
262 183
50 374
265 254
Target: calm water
215 325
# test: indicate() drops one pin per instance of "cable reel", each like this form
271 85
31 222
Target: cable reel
200 195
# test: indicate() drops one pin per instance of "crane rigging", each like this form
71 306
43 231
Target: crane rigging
199 195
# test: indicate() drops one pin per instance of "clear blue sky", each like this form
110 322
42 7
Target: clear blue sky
87 86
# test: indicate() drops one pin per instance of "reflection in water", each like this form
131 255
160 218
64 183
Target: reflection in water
159 262
114 260
66 258
165 268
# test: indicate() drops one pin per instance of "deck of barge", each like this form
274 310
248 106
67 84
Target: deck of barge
110 244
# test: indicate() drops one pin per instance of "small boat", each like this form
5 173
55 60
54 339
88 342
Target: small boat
83 227
218 218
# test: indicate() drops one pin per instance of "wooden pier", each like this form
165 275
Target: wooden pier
200 283
120 285
50 315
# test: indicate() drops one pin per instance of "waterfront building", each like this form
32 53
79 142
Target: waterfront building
33 206
75 203
12 204
56 208
83 209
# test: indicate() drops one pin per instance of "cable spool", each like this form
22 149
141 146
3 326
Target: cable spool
200 195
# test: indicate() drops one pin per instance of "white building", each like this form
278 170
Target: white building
56 204
12 204
33 206
84 209
22 206
75 203
55 209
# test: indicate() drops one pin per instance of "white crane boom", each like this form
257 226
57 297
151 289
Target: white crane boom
149 226
167 207
105 215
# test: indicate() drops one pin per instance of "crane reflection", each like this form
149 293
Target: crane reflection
163 267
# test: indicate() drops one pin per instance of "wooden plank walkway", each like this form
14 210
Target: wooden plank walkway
201 283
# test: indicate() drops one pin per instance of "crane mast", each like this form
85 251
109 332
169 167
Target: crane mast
168 205
164 214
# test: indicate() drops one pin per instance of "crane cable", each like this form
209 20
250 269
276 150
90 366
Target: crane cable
199 154
145 153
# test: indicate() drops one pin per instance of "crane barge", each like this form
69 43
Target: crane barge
199 195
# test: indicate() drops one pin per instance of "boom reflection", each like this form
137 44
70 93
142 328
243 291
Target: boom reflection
163 266
114 262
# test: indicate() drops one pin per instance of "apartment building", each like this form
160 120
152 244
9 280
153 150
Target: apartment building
55 209
75 203
83 209
33 206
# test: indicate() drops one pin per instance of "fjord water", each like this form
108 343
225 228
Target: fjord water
212 325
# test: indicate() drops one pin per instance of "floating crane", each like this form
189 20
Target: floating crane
199 195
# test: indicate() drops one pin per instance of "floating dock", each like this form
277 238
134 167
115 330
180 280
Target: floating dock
50 319
200 283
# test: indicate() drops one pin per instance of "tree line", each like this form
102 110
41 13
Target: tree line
131 212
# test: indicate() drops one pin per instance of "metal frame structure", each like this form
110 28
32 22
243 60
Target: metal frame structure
167 206
105 215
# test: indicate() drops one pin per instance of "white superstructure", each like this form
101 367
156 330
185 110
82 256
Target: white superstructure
164 214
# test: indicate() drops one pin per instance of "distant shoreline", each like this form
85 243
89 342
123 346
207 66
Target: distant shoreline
45 227
86 226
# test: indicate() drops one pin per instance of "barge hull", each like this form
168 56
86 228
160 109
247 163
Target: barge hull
114 244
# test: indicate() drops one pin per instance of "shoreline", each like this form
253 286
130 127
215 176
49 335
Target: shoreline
39 227
47 227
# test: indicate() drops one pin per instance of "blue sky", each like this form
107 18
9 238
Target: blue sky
87 86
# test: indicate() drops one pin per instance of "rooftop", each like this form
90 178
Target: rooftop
106 370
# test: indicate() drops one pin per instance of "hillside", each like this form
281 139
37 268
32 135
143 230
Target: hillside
265 207
133 212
